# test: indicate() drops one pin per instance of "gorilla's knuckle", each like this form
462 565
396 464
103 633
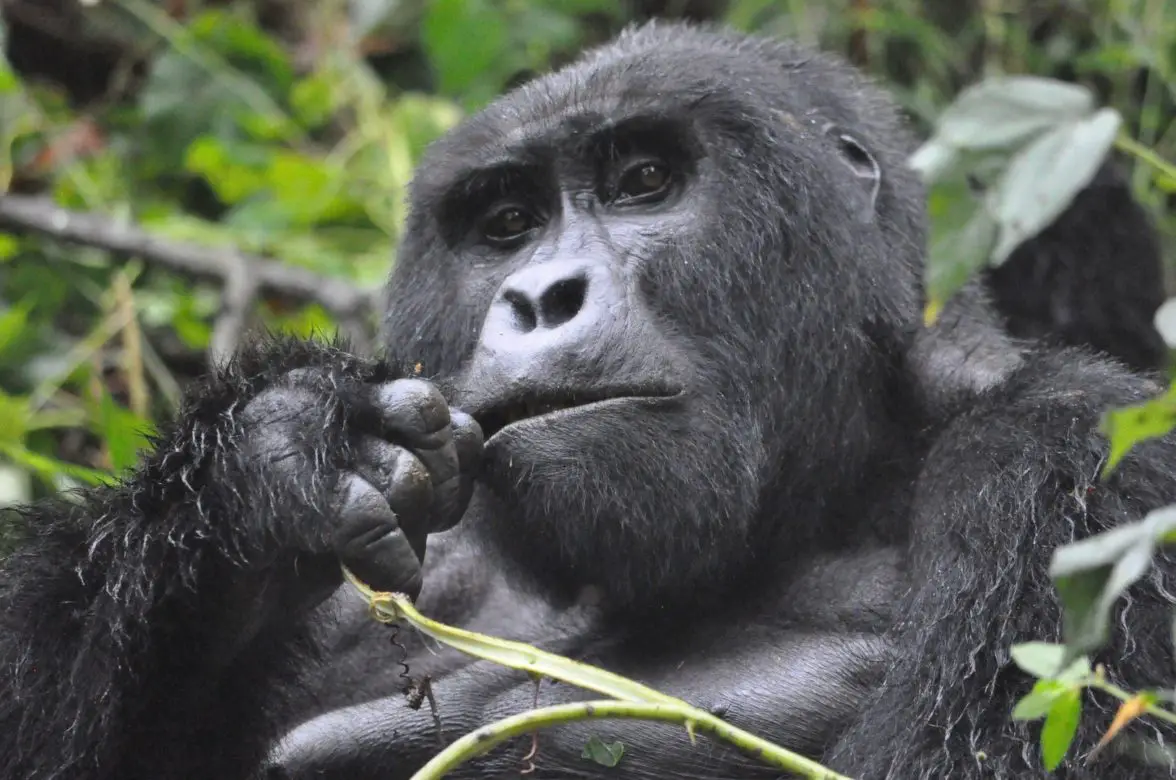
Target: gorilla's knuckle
411 486
359 497
415 404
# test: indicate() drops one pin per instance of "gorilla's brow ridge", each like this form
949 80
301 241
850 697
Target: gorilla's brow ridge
585 137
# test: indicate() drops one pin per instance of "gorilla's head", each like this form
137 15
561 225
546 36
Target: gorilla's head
671 281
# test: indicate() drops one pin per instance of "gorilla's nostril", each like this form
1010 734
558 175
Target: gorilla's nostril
525 315
562 301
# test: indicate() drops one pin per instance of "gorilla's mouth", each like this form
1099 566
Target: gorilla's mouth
506 413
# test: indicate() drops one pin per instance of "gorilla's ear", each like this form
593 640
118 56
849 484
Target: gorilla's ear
854 155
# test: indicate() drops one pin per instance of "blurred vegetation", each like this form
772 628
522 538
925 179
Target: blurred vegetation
287 131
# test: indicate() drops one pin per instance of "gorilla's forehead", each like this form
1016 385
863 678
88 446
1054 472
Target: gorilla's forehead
692 76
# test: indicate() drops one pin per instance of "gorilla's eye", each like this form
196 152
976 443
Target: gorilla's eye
644 182
508 224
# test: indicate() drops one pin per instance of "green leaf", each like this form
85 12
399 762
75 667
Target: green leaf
1165 322
313 99
466 42
13 322
604 753
1039 701
1001 112
1040 659
1076 672
1044 177
1061 724
1091 574
49 468
124 432
954 258
9 246
1129 425
933 160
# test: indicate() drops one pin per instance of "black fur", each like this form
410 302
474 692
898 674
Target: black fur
823 521
1092 278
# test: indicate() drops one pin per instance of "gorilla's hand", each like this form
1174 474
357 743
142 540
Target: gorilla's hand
377 467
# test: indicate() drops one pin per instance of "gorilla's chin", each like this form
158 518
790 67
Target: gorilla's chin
589 497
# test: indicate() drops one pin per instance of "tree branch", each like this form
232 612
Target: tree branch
241 275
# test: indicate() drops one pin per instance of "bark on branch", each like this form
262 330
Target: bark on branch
241 275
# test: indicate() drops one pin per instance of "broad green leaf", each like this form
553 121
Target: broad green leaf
1040 659
1061 724
1129 425
1038 702
956 257
1165 322
933 160
1092 573
604 753
1001 112
1043 178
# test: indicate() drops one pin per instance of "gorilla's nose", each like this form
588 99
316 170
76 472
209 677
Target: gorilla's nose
545 297
552 326
556 306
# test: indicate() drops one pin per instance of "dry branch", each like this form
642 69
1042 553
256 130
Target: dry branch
241 275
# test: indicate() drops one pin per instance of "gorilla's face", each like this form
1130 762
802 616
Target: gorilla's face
650 299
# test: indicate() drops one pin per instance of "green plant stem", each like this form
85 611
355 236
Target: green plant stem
1132 147
644 702
483 739
392 607
1154 710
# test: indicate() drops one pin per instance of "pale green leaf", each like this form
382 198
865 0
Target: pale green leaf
1043 178
1000 112
1040 659
1038 702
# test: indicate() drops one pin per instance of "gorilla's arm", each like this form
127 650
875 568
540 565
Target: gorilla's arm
149 628
1007 483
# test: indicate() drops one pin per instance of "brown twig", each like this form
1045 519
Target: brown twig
243 276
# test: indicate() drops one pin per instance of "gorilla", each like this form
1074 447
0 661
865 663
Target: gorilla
657 396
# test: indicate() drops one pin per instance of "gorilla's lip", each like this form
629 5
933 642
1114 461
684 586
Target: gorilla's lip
511 412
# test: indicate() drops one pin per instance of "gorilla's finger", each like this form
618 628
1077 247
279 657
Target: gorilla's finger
453 495
405 482
468 440
415 415
370 541
413 412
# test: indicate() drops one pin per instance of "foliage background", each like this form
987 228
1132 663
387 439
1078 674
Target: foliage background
288 130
